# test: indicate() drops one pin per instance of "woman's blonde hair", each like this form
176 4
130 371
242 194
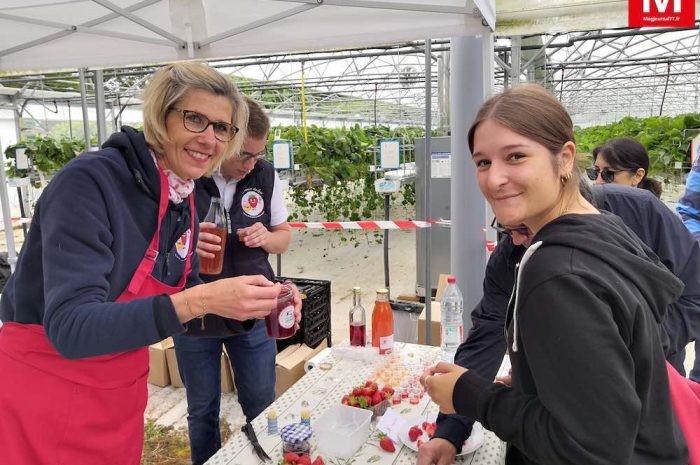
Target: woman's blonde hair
169 85
531 111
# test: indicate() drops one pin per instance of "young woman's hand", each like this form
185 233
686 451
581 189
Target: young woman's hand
439 382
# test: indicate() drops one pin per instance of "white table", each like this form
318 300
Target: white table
323 389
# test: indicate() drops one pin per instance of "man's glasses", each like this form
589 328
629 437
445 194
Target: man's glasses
501 230
246 157
606 174
197 122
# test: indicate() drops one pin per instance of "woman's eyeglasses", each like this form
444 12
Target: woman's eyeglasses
197 122
606 174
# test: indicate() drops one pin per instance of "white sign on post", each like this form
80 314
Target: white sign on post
441 165
282 155
390 154
21 159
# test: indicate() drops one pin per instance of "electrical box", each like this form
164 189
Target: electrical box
439 190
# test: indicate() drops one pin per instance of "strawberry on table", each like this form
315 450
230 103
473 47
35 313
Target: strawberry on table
290 457
304 460
319 461
386 444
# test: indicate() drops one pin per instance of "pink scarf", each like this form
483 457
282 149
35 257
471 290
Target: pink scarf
179 189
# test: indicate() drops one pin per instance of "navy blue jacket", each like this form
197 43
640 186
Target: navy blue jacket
88 235
653 222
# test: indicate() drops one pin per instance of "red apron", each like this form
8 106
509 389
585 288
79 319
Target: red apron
56 411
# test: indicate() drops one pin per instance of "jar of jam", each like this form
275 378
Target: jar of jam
280 323
295 438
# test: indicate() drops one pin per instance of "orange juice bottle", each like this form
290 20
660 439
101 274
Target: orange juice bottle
383 323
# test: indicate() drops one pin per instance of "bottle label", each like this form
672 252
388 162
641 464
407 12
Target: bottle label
452 334
386 344
286 317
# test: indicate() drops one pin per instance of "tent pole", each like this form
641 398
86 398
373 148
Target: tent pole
83 104
470 83
100 107
428 287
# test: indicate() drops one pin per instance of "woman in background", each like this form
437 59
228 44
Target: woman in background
623 161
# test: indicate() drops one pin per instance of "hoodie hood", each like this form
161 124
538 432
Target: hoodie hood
618 247
132 145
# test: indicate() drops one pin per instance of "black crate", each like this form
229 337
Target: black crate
315 323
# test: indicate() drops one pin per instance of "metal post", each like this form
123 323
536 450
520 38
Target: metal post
83 104
6 215
515 43
470 82
386 243
428 287
22 191
100 106
279 265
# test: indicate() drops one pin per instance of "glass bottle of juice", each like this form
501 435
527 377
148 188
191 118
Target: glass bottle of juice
357 319
383 323
215 215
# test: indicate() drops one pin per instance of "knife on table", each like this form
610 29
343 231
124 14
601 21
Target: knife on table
249 432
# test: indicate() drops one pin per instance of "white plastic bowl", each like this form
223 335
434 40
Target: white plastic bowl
342 430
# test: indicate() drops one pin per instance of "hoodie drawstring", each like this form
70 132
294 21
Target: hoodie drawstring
516 290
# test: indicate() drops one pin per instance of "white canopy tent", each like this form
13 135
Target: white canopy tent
60 34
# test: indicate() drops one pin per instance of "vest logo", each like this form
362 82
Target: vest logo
661 13
182 246
252 203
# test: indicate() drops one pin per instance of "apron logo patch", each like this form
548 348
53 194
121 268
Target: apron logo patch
182 246
252 204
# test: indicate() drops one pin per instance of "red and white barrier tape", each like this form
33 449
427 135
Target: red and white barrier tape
376 225
396 224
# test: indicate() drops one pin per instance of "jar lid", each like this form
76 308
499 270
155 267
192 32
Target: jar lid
295 433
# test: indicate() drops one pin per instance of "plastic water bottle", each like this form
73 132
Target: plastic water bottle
451 325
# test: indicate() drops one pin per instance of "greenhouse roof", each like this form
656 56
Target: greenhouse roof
600 74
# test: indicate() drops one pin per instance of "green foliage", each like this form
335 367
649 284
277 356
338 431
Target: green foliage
337 182
46 154
667 139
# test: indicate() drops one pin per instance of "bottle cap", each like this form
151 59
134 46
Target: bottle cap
382 291
271 414
451 280
295 433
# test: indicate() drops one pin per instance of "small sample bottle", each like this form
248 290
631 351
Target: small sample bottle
357 320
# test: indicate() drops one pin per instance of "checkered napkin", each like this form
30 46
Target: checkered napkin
295 433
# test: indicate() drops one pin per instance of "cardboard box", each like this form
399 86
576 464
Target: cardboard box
435 336
158 374
290 364
442 284
227 385
175 379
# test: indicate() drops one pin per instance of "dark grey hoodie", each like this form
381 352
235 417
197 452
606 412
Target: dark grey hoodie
589 377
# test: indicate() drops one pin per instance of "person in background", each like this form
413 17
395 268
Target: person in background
623 161
483 350
688 208
584 334
250 189
108 267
